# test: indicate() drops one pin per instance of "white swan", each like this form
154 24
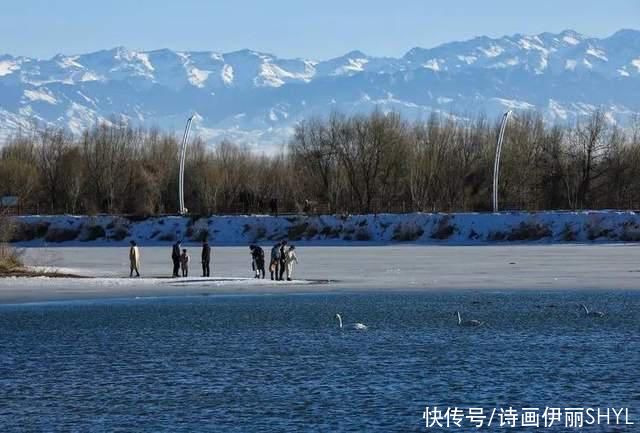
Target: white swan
591 313
468 322
357 326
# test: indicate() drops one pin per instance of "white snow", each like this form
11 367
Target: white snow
353 65
469 60
90 76
492 51
636 63
273 75
515 104
597 53
432 64
571 40
557 110
533 43
86 98
623 72
508 63
570 65
43 95
70 62
444 100
144 59
198 77
8 67
227 74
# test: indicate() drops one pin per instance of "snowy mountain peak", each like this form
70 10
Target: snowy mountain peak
257 97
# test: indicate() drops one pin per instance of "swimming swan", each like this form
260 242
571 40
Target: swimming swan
357 326
468 322
591 313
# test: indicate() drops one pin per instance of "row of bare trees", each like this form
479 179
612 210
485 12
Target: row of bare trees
374 163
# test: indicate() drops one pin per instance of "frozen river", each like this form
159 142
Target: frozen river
383 268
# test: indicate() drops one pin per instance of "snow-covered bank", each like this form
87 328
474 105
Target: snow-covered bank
463 228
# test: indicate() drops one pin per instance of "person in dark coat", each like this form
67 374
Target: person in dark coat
257 256
274 264
175 257
284 249
206 259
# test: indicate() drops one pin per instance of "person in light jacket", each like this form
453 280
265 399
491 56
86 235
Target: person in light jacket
290 259
134 259
284 249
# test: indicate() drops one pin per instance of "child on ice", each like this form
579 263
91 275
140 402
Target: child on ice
184 263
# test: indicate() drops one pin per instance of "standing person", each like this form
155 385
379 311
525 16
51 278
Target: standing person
257 255
206 259
175 256
134 259
275 261
291 258
184 263
284 249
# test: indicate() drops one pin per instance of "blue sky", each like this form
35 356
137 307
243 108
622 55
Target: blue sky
318 29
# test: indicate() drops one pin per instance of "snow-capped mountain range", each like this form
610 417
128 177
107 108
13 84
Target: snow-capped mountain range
257 98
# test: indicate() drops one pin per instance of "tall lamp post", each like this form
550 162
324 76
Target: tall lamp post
496 164
183 152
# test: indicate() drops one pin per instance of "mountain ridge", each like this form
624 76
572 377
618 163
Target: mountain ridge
257 98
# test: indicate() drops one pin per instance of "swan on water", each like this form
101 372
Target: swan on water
591 313
358 326
468 322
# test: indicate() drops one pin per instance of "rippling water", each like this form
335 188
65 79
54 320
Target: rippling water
279 363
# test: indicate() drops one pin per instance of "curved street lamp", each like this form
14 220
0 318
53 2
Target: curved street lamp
183 152
496 164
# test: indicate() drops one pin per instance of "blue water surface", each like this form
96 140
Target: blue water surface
279 363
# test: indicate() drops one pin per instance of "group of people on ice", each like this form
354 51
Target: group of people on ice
283 257
181 260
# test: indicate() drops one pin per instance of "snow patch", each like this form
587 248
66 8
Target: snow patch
227 74
492 51
90 76
515 104
8 67
273 75
570 65
70 62
594 52
40 95
353 65
469 60
557 110
571 40
198 77
432 64
636 63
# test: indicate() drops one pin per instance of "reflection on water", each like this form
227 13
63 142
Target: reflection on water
280 363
